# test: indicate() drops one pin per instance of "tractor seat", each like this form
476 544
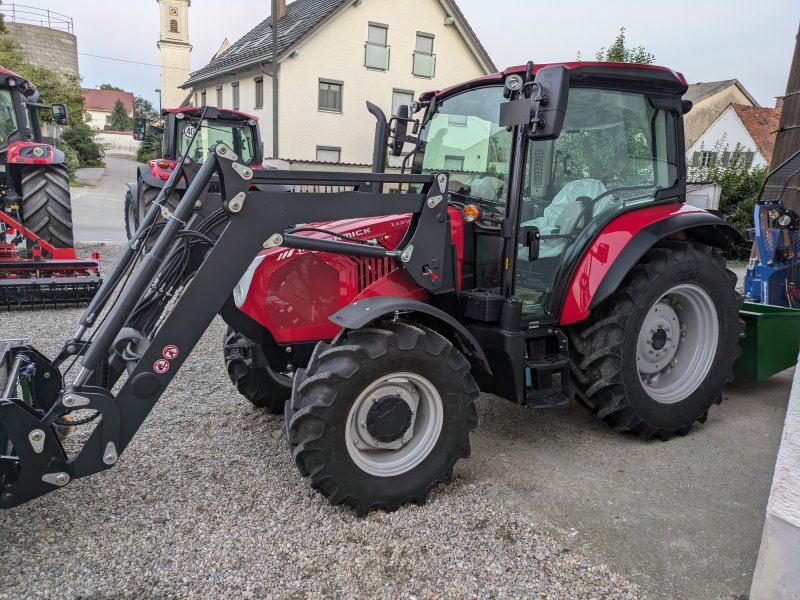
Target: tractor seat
570 217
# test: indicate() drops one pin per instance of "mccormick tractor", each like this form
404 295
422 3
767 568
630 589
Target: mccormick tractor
233 128
539 249
38 265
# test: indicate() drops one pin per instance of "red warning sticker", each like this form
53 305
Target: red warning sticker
170 352
161 366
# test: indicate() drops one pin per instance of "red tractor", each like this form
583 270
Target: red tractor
38 265
540 249
236 129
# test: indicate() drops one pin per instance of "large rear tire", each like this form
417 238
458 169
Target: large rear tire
147 195
46 205
259 384
653 357
381 416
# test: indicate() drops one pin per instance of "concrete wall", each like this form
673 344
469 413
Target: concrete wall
336 52
730 128
704 113
118 142
777 575
46 47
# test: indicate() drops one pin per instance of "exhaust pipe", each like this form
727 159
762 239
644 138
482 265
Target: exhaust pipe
381 143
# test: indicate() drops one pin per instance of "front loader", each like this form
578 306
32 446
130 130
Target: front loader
540 249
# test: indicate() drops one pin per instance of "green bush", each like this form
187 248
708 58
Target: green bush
71 159
81 139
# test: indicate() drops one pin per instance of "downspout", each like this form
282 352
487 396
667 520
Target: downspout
275 70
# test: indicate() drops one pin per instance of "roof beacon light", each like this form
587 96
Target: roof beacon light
514 83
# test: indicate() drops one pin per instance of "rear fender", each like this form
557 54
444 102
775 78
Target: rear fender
623 242
151 174
363 312
33 153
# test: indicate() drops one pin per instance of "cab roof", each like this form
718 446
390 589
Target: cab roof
609 70
196 111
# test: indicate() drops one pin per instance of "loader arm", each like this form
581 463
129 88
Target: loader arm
35 463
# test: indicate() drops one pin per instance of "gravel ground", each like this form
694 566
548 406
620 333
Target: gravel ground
207 503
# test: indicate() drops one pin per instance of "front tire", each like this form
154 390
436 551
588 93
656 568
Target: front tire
131 215
381 416
654 357
253 378
46 204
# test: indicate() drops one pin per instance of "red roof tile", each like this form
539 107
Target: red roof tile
762 124
104 99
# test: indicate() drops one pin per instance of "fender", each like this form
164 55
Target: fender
147 176
623 242
133 189
33 153
362 312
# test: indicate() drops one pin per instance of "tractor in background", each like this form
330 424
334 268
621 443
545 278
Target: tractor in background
236 129
38 264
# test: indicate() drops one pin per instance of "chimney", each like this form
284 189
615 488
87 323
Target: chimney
281 10
779 101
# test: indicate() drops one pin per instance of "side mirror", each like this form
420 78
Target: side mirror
155 130
532 241
60 114
549 103
400 131
139 128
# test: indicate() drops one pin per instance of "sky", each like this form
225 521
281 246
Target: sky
706 40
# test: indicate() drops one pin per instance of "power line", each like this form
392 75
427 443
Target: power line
135 62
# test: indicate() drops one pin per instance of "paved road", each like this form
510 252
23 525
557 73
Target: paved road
97 208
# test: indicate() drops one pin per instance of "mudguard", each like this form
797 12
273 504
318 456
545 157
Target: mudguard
33 153
362 312
146 175
623 242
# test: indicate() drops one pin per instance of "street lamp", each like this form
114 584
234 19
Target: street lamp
159 100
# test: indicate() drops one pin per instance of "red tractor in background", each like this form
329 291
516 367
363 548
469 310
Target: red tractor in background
38 265
236 129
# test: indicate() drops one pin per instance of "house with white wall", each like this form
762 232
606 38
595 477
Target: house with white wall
752 128
709 99
99 104
333 56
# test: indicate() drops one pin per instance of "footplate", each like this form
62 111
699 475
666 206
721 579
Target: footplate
547 370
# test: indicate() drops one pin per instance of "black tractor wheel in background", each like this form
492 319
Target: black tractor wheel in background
655 355
259 384
381 416
46 206
131 215
147 194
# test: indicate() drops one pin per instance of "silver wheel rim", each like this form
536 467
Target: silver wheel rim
677 343
131 220
395 458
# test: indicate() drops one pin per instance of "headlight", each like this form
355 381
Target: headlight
241 289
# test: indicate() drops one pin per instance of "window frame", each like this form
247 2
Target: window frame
330 82
372 26
423 35
220 96
203 98
403 92
337 149
236 100
259 92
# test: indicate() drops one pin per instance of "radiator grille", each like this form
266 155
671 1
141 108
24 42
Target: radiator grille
366 271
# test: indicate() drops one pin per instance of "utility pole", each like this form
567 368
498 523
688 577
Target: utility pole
275 71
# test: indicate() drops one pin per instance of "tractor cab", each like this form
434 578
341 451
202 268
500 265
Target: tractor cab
537 191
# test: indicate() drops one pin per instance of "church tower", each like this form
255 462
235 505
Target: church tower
174 45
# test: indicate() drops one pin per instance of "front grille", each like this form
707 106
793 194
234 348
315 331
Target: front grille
366 271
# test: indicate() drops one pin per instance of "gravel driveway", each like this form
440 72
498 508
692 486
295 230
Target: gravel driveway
207 503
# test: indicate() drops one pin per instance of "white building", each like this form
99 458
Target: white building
174 47
99 105
333 56
753 128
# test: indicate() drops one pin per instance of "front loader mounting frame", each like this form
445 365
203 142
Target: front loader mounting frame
33 461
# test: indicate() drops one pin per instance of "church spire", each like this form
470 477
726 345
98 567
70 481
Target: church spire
174 45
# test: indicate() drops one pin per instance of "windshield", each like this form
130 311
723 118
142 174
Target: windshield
8 118
237 136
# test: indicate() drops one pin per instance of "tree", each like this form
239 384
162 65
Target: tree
109 87
80 137
619 52
143 108
740 185
120 121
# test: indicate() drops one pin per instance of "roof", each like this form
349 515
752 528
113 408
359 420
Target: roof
762 124
104 100
702 90
302 19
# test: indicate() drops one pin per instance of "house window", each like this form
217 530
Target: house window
376 50
330 95
203 98
328 154
219 96
424 64
259 92
195 99
173 26
235 87
703 159
400 97
453 163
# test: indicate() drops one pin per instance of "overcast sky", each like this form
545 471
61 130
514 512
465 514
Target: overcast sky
707 40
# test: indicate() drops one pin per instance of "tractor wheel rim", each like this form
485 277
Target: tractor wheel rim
131 219
677 343
411 395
